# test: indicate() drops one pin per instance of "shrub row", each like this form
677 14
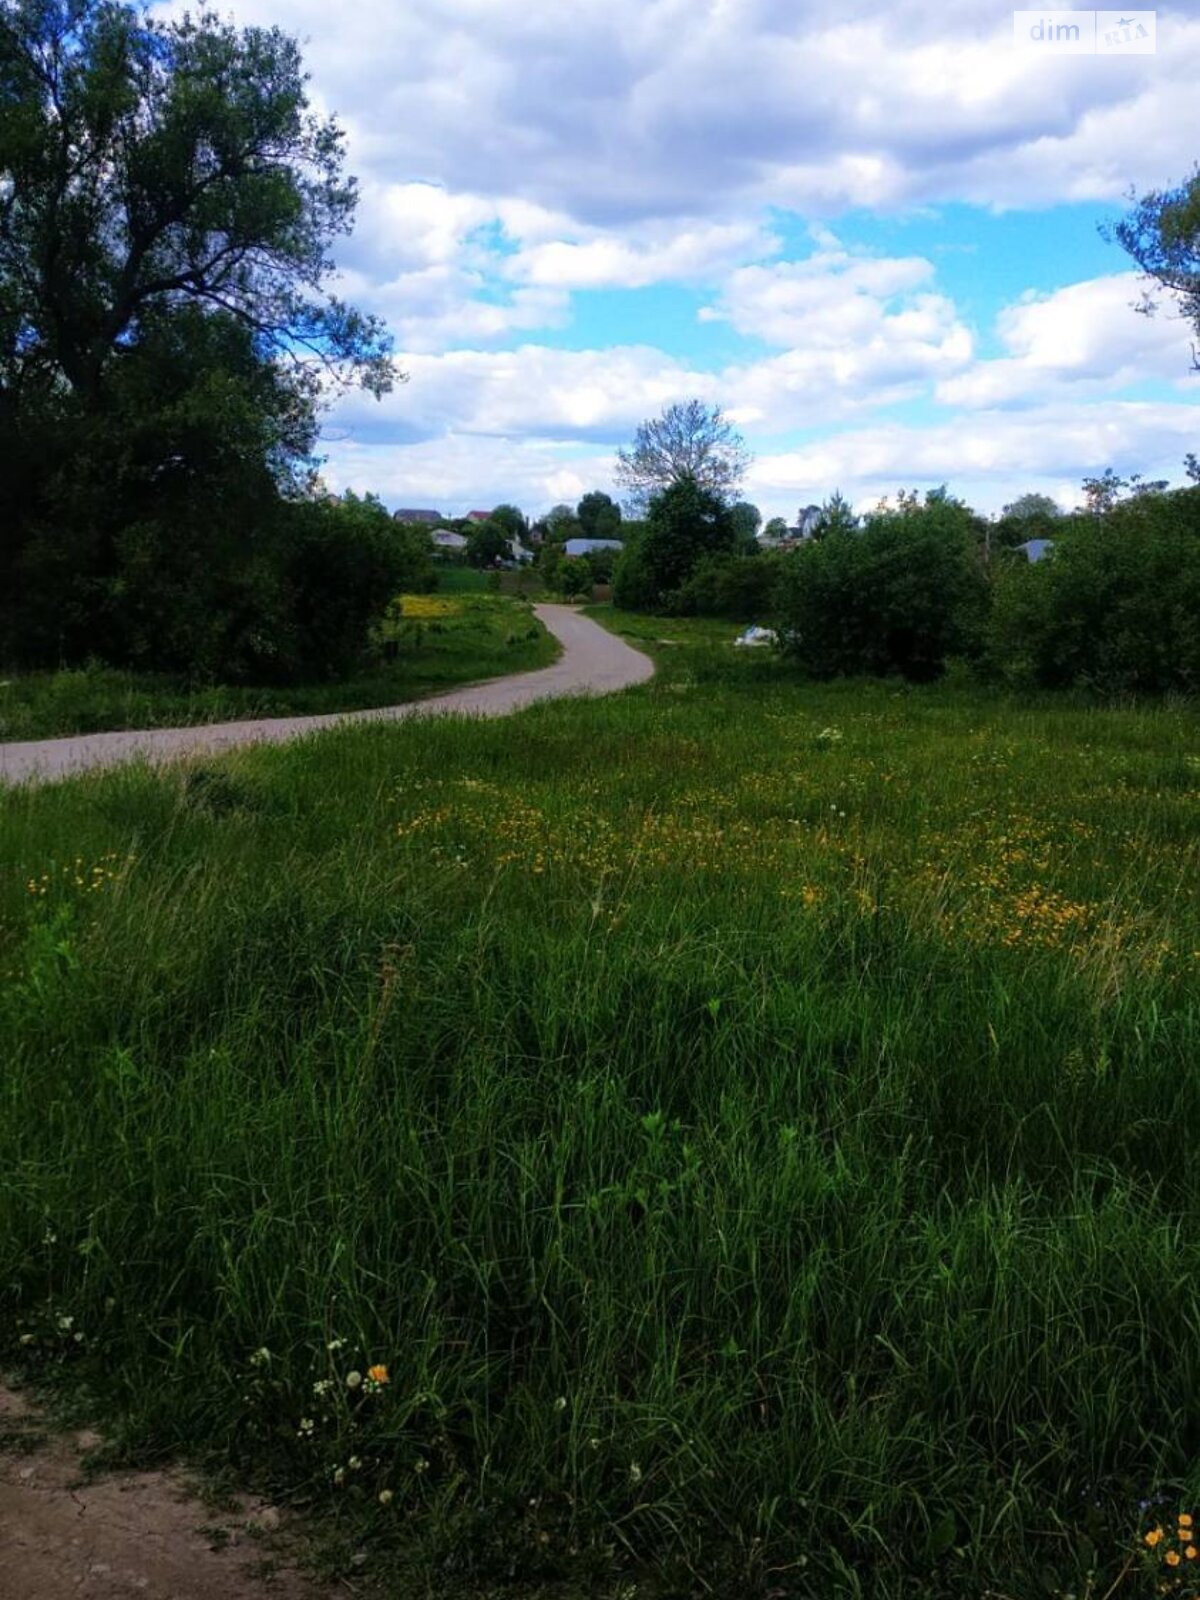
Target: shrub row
270 591
1113 605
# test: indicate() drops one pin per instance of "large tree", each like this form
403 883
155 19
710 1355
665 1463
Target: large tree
599 515
144 163
488 543
511 520
1031 507
1029 516
837 516
167 206
686 522
687 441
747 519
1162 234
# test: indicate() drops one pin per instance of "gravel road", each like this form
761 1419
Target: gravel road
593 661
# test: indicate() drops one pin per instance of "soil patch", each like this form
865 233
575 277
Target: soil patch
68 1535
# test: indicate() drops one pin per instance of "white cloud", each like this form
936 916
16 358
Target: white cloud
988 457
1086 339
682 253
612 112
458 473
860 331
531 392
828 298
861 341
439 307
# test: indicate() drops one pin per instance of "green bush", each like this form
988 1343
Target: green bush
342 565
602 563
740 587
1115 605
575 576
169 531
632 580
900 596
144 533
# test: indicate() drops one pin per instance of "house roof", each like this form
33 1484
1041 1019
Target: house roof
479 516
407 515
1035 549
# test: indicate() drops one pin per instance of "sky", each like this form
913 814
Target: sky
869 231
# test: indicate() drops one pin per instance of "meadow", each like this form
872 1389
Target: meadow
739 1134
458 635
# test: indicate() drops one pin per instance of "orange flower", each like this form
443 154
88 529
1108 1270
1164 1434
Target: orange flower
1153 1537
378 1374
1185 1520
1191 1552
1172 1558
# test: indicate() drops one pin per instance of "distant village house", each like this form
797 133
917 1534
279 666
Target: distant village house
1035 549
583 547
449 541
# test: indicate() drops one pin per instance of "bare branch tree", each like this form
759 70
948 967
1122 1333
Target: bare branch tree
691 440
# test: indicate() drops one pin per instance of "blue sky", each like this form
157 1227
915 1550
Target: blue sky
869 232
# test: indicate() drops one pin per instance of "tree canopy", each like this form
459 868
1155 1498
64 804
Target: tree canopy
599 516
687 441
1162 234
837 516
560 522
511 520
1031 506
487 543
686 522
146 163
747 519
900 595
168 204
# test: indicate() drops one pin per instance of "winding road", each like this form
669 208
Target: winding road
593 661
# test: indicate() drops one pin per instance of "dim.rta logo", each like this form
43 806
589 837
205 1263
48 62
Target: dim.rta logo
1085 32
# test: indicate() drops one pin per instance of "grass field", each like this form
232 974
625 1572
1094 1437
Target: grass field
456 636
749 1128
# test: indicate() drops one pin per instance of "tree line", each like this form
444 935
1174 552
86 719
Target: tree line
1107 596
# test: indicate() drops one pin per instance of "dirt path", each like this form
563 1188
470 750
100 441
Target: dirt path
593 661
125 1535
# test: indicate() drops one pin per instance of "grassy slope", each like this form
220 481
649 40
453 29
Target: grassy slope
754 1123
482 636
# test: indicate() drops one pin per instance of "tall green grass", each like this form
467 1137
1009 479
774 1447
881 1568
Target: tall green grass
754 1124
